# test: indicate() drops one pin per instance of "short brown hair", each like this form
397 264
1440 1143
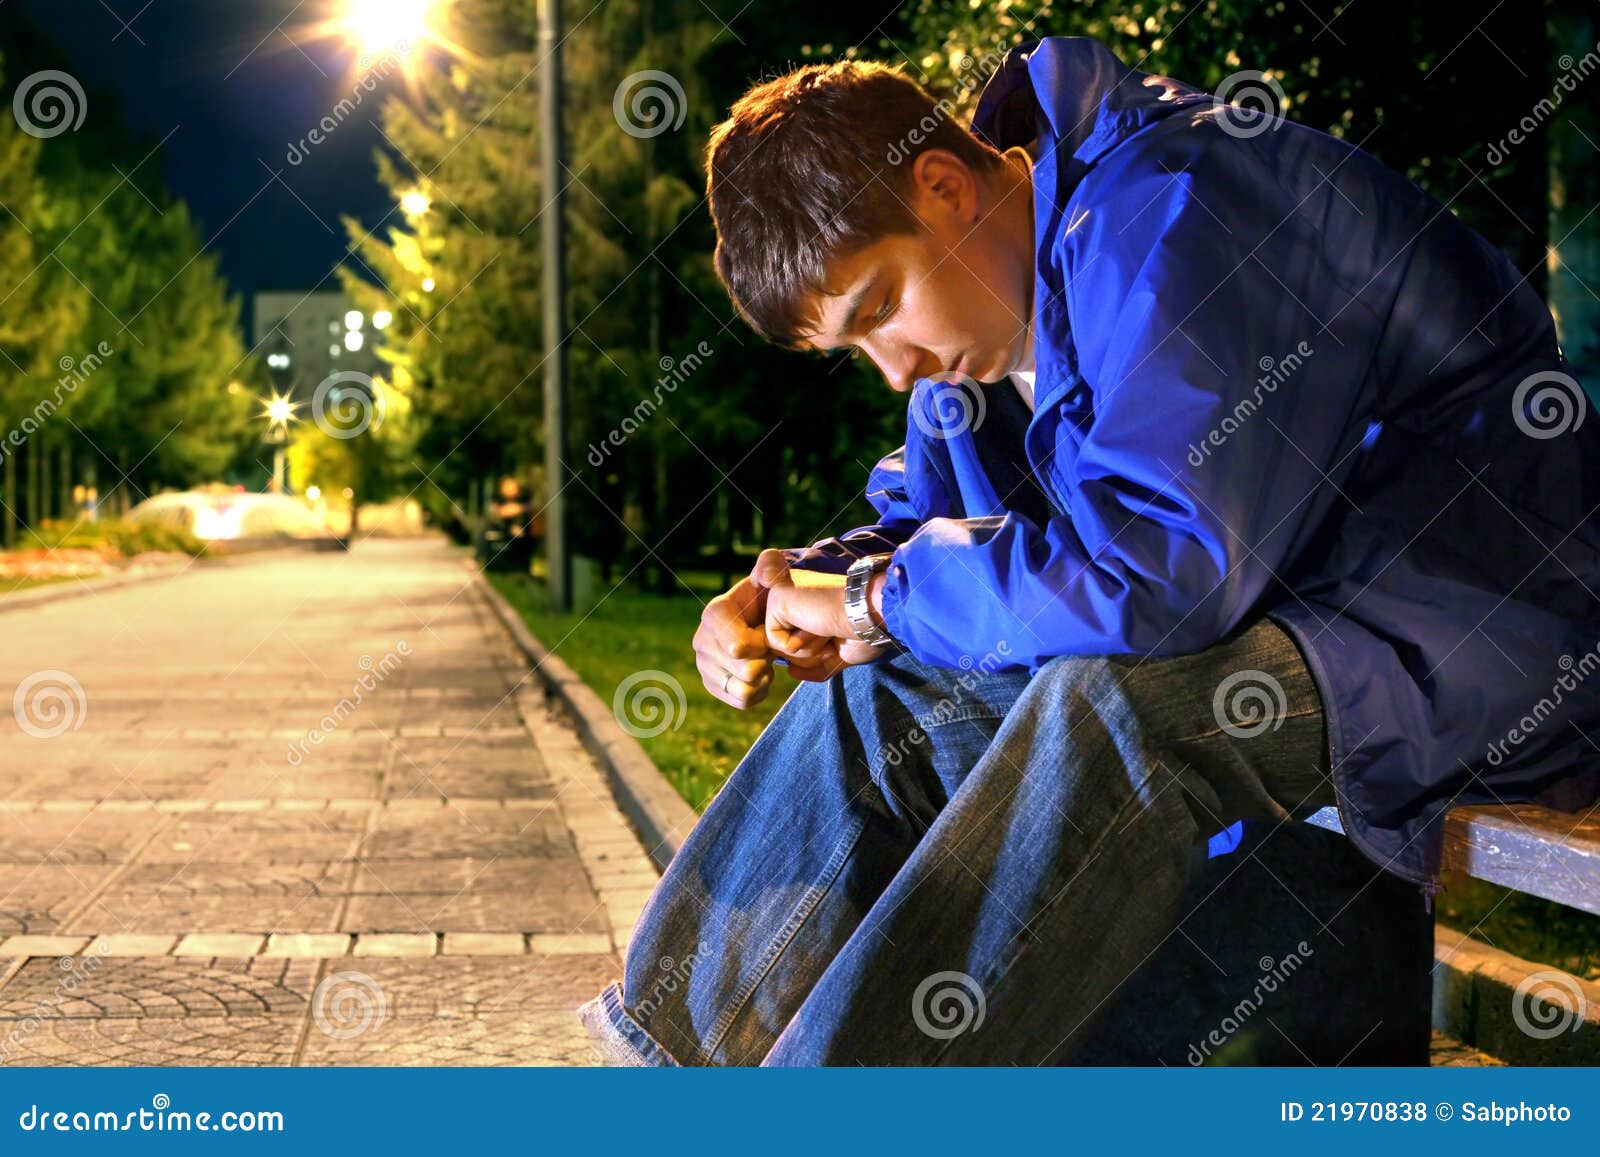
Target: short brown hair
810 167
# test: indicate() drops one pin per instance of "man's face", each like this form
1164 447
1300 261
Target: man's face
954 296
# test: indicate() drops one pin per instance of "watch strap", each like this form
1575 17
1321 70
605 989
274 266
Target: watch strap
857 607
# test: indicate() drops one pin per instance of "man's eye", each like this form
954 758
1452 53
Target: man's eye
885 312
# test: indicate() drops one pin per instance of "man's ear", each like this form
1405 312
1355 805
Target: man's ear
944 185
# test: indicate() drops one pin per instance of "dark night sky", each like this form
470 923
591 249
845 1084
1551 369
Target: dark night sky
234 93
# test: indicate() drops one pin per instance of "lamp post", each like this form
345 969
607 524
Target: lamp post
555 296
375 25
279 412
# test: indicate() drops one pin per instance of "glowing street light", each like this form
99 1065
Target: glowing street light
381 26
278 410
381 319
414 202
427 285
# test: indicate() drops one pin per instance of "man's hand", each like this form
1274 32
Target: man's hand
730 646
807 624
769 615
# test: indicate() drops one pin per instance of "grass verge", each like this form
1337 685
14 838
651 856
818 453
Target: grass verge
1526 926
15 583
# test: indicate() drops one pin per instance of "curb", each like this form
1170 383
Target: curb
651 804
1513 1009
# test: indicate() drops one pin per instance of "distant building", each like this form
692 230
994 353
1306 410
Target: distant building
306 337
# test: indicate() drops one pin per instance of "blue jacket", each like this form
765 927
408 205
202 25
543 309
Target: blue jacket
1274 377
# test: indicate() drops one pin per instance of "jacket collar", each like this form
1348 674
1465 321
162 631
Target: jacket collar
1073 101
1076 98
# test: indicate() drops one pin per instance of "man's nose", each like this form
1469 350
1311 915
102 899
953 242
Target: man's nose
901 364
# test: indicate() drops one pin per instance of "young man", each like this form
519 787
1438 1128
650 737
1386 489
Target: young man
1276 495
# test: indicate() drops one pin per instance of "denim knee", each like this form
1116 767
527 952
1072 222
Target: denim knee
923 727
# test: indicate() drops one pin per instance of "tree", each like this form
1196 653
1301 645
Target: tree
159 412
37 310
457 262
1394 81
124 348
687 434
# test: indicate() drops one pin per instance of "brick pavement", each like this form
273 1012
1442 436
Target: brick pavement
188 877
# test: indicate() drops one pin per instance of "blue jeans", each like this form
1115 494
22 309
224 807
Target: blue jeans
916 865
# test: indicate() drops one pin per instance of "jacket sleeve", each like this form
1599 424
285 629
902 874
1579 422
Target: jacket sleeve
899 515
1226 368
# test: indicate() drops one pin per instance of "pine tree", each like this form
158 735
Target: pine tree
36 313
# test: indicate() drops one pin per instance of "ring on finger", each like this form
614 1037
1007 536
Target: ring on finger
726 679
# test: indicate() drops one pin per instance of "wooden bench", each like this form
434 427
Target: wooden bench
1545 853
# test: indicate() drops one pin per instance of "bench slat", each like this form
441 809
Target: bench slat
1544 853
1532 849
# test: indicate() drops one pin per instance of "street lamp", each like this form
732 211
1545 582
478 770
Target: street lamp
385 25
380 26
555 301
278 410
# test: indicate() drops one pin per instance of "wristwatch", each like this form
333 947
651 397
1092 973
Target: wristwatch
857 583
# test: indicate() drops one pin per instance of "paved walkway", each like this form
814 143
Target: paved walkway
298 809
